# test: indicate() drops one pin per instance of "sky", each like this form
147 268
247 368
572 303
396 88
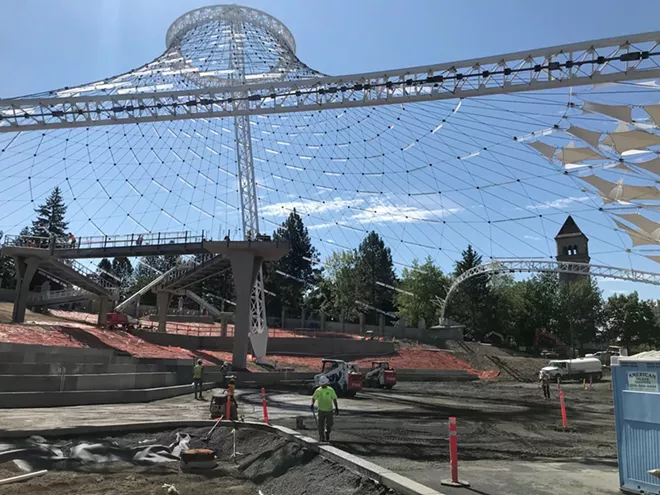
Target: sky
54 44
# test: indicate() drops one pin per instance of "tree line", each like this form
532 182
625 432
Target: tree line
363 280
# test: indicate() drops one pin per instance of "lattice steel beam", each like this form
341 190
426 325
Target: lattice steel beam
592 62
549 266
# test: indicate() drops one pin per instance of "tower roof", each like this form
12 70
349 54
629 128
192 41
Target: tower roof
570 229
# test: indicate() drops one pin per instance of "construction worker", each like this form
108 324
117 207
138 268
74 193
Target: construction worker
326 396
198 374
545 385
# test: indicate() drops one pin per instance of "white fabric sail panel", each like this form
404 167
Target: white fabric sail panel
618 112
639 238
577 155
650 165
654 112
631 140
590 137
617 191
648 226
545 149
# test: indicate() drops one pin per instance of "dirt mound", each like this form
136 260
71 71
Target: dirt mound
267 462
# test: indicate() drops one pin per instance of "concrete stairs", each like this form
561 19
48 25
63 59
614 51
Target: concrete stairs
46 376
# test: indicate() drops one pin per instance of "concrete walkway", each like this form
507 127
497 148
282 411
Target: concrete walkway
516 477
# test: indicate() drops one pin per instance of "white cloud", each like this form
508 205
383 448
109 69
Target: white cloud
356 211
400 214
558 203
309 207
532 238
619 292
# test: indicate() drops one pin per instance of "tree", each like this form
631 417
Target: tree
339 289
122 269
7 274
50 217
297 264
374 268
580 311
629 320
472 302
423 284
105 267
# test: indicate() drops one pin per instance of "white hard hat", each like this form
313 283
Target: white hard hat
324 380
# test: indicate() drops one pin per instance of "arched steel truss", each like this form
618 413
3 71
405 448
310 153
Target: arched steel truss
549 266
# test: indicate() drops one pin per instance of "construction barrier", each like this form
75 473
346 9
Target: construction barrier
263 403
564 420
453 456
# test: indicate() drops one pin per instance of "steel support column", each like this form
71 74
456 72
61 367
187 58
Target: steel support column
25 270
248 197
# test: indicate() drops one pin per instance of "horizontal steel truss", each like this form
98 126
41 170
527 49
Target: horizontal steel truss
549 266
592 62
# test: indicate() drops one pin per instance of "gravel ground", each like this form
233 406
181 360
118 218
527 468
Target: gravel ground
267 462
498 421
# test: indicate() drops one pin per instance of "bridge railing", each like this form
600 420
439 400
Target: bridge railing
130 240
104 241
58 294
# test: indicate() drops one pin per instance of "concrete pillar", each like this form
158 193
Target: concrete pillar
25 270
322 321
361 322
104 307
163 300
302 319
223 326
245 267
381 325
283 318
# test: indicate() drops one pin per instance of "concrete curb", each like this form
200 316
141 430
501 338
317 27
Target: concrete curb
401 484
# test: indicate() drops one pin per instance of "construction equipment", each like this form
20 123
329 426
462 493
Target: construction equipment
589 368
120 320
345 378
218 406
559 346
380 375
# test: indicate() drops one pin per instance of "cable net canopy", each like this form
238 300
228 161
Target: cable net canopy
499 172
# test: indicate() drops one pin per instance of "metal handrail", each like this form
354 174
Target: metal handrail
56 294
105 241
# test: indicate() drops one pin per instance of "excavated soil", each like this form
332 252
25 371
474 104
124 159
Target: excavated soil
266 462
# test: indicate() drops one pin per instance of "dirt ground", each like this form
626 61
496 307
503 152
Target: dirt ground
266 462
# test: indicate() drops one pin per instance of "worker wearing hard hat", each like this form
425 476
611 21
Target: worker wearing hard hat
198 374
326 397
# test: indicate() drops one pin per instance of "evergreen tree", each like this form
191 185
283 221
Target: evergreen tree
50 217
122 268
472 302
7 279
105 269
373 265
290 291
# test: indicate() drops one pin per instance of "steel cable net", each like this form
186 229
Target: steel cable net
430 178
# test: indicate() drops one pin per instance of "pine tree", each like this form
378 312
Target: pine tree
50 217
374 265
472 304
290 292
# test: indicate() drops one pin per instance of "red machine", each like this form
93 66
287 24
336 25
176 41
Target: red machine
381 375
119 320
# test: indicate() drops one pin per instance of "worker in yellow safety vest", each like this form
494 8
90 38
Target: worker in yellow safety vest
198 374
326 397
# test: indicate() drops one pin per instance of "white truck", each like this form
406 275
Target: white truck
573 369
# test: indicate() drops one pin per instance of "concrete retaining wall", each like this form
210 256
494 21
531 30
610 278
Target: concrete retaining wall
75 368
86 397
321 347
185 318
108 381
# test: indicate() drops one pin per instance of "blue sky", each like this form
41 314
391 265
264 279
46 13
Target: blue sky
48 45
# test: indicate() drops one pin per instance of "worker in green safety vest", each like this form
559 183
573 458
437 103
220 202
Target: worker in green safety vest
198 374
